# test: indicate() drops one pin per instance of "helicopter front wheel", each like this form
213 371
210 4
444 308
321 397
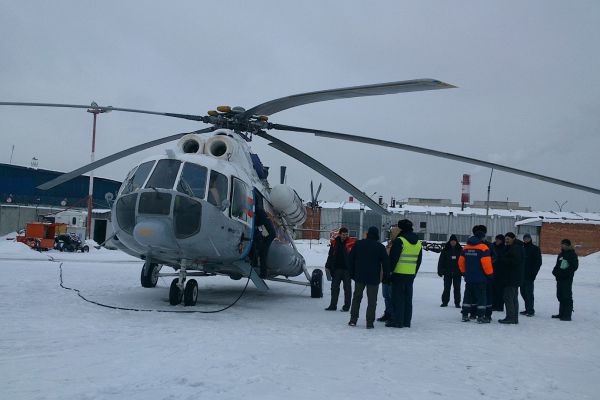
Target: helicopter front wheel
175 293
190 294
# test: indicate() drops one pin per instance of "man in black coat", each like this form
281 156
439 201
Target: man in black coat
448 268
499 271
564 271
367 263
533 262
513 278
337 264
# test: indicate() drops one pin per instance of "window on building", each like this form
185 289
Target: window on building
193 180
421 235
423 225
217 189
463 238
438 237
164 174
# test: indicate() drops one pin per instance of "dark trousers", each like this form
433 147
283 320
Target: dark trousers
511 301
339 276
372 291
527 295
489 298
475 297
450 281
498 296
386 291
564 294
402 294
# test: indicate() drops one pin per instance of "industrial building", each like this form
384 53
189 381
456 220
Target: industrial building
437 222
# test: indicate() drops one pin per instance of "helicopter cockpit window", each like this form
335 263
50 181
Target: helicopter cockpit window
239 195
164 174
217 189
135 179
193 180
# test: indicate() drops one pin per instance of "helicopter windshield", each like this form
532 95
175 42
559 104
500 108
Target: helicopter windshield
193 180
164 174
135 179
217 188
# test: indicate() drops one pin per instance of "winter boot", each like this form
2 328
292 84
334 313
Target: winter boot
331 308
465 318
352 323
370 325
557 316
385 317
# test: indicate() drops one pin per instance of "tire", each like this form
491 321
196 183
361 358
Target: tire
85 249
175 294
149 275
316 284
190 294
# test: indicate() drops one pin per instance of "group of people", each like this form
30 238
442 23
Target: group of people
493 274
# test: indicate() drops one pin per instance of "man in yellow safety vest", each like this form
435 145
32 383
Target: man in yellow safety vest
405 260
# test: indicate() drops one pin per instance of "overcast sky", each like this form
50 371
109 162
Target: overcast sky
527 74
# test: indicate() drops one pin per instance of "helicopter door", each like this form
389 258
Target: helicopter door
241 199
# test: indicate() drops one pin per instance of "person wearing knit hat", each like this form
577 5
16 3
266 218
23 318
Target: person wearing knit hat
564 271
513 278
533 262
448 269
499 273
405 259
475 264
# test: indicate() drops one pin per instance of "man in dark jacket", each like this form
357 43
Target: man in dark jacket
564 271
499 271
513 278
533 262
475 263
448 268
405 259
367 263
337 264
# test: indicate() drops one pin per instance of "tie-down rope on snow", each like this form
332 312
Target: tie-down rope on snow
149 310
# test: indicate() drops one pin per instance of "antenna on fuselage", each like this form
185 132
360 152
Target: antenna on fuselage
282 175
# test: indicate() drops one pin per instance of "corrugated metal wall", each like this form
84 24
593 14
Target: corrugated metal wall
427 226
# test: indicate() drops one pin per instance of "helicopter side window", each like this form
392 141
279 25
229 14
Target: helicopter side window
217 189
164 174
193 180
239 195
135 179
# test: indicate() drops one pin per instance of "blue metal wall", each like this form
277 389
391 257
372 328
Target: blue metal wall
20 184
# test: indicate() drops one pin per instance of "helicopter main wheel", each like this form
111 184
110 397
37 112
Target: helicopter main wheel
149 275
316 284
190 294
85 249
175 293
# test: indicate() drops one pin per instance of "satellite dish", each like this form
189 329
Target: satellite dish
109 197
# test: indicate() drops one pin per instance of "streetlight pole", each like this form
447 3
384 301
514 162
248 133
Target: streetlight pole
95 111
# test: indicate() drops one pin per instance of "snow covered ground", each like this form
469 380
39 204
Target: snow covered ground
280 344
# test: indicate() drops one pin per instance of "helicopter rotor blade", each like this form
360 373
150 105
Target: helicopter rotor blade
323 170
283 103
435 153
318 191
105 109
114 157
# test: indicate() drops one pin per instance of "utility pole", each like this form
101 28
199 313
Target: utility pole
11 154
487 203
95 111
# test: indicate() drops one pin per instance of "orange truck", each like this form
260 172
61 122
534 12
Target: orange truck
40 236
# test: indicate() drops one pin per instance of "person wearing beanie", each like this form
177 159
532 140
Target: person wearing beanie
448 269
564 271
386 286
367 262
475 264
337 265
513 278
491 282
405 259
499 273
533 262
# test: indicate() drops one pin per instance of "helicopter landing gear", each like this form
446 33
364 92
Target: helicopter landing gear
175 293
316 284
190 294
149 275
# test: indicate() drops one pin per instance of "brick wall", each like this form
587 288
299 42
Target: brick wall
585 238
312 224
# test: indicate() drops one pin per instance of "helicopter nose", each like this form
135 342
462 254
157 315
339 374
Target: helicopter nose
154 233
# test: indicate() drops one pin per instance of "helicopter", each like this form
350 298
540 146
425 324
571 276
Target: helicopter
206 207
